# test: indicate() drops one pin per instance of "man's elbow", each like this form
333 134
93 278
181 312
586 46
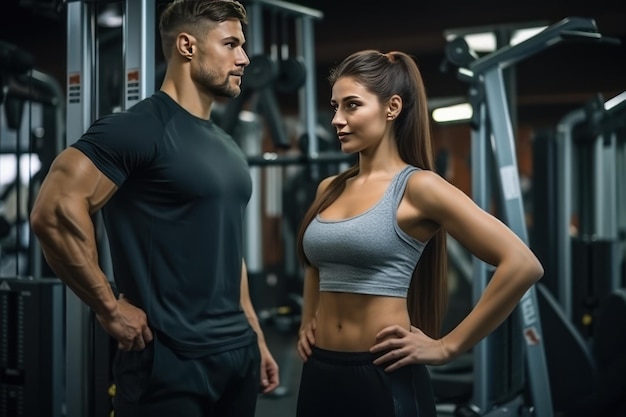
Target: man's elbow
41 220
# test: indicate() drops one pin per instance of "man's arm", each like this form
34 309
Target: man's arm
269 368
73 190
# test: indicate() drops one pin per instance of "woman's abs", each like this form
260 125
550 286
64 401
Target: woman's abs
350 322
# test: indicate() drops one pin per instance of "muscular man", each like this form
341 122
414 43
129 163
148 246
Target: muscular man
173 189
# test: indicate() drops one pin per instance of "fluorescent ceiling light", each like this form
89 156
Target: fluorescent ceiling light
521 35
481 42
485 40
454 113
615 101
111 17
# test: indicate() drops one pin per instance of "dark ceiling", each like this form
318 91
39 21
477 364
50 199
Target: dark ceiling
546 85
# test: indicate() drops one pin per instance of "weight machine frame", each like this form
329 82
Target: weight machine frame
86 389
608 179
493 145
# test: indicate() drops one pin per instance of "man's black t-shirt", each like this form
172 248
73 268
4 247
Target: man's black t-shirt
175 225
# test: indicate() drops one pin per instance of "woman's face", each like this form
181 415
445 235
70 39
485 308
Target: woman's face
360 119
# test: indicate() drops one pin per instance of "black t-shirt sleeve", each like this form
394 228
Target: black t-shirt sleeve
120 143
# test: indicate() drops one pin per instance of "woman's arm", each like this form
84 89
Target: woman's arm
310 295
485 236
435 200
310 299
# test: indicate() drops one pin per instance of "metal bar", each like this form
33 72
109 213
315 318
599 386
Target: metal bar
583 28
506 161
139 50
306 47
80 113
272 159
565 201
483 350
605 198
80 71
247 132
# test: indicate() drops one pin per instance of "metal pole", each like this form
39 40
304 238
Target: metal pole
139 63
565 202
506 161
483 350
80 114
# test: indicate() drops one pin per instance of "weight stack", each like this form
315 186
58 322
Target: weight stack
32 360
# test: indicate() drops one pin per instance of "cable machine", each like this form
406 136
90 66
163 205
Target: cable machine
493 147
584 309
249 134
590 141
31 305
87 353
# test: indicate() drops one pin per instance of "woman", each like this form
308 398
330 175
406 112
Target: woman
372 313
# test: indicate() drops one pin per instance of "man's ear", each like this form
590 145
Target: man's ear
185 44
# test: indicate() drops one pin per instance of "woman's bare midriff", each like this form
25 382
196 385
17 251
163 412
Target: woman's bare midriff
350 322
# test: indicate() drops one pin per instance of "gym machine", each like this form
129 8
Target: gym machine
499 369
31 304
587 377
31 347
246 126
592 155
88 349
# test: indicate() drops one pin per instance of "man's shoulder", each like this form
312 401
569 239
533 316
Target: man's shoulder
149 107
146 114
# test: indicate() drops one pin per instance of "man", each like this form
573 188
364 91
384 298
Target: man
173 188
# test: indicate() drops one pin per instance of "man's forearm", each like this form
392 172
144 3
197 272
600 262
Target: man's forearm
72 255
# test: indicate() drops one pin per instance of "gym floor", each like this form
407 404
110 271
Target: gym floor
282 402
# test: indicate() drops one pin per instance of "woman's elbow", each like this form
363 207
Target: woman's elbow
522 264
534 268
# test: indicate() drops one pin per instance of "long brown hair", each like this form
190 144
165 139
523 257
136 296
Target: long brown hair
385 75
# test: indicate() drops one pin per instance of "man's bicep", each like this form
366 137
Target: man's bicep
73 175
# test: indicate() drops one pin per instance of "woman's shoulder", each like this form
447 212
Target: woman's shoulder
324 183
419 177
424 184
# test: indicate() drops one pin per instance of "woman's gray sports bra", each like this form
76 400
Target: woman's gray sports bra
367 253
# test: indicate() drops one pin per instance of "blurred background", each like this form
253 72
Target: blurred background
560 117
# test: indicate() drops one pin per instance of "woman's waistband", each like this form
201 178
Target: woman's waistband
344 358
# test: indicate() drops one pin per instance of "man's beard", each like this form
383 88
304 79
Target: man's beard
208 81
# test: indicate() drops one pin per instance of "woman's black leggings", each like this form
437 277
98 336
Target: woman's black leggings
345 384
